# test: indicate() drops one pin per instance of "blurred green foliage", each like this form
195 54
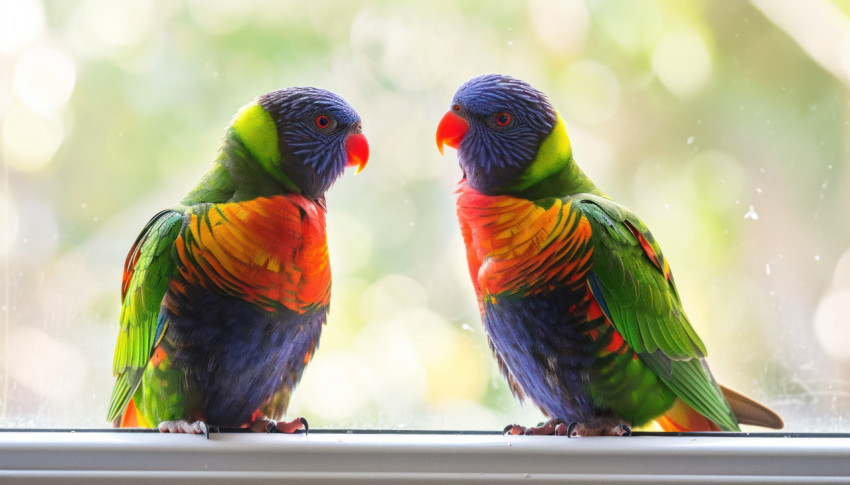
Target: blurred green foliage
723 124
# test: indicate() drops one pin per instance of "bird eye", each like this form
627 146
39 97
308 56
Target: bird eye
502 119
323 121
456 107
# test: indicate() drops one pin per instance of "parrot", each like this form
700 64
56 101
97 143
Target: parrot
224 295
578 303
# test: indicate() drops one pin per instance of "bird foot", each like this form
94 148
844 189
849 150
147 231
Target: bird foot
598 428
552 427
557 427
183 426
266 425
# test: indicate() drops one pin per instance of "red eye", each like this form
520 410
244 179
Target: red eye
456 107
502 119
322 121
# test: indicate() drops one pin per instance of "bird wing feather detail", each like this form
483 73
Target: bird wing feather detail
633 285
148 269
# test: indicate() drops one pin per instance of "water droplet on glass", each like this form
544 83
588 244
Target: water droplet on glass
758 190
751 214
690 140
817 257
767 268
467 328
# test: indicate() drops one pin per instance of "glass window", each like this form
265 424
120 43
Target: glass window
724 125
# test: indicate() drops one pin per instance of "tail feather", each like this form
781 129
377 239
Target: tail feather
131 418
681 418
749 411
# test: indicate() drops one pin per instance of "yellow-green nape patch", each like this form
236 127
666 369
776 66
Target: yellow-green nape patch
258 133
554 153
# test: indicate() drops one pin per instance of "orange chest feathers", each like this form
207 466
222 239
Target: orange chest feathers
268 251
517 247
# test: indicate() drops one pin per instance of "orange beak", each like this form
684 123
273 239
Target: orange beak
357 149
451 131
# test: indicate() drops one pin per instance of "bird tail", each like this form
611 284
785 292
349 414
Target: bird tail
681 417
749 411
131 418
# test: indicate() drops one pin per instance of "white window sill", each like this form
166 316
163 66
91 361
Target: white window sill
101 456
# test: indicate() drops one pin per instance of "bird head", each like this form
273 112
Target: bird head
303 137
497 124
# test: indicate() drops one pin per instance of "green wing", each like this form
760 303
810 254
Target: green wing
632 283
147 271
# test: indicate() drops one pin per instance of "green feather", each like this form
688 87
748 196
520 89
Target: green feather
644 307
553 172
140 326
257 131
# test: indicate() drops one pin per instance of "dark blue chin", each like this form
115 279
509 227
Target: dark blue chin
488 172
314 168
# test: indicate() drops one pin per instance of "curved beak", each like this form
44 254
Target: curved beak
357 149
451 131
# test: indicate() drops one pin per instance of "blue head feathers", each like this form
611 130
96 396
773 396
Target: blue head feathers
313 126
508 119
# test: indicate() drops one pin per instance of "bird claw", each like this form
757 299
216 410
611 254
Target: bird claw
558 427
576 429
552 427
514 429
266 425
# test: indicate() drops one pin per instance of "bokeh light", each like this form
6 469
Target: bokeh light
592 92
21 23
561 25
44 79
8 221
220 17
29 139
831 325
682 62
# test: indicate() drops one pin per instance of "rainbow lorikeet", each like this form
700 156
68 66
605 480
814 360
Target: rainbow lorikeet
578 302
224 295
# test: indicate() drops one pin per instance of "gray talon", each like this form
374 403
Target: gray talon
306 427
